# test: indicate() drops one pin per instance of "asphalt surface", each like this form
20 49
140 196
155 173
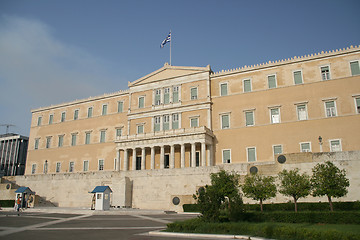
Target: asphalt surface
38 225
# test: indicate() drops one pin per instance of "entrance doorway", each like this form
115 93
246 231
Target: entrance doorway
166 161
138 163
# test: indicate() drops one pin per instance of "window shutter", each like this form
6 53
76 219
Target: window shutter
225 121
355 69
224 90
298 77
272 81
251 155
249 117
226 156
247 85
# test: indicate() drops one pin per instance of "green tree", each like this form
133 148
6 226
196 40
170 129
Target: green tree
329 180
221 197
294 184
259 188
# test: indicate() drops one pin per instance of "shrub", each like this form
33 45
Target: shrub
7 203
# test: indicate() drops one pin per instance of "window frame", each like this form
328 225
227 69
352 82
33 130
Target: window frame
253 117
167 99
36 143
194 97
247 154
243 82
335 108
301 146
221 89
51 119
33 168
71 166
39 121
271 116
330 145
90 112
177 88
102 136
73 139
87 137
86 164
61 140
166 122
301 76
222 121
140 106
157 97
48 142
222 156
76 114
358 63
104 109
276 85
140 126
58 167
328 75
297 111
101 166
277 145
177 120
197 121
63 116
357 107
120 106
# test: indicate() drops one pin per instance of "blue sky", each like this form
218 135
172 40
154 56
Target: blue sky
58 51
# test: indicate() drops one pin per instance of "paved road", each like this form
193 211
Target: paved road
36 225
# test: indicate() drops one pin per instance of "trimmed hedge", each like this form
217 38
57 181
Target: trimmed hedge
7 203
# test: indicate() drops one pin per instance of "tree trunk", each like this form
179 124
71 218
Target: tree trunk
331 205
295 201
261 205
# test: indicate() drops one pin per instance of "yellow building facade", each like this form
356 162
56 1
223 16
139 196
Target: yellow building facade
188 117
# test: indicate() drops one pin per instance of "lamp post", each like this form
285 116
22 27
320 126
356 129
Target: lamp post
320 143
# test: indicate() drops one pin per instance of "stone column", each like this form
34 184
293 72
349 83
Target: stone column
134 159
152 157
193 155
211 155
203 154
172 156
182 161
162 153
126 160
117 160
143 166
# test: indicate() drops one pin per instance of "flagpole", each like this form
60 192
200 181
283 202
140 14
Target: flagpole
170 47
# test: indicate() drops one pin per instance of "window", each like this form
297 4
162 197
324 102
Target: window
36 145
166 122
194 122
33 169
194 93
175 121
63 116
87 137
335 145
61 140
102 136
357 104
223 89
71 167
118 132
355 69
140 129
90 112
39 121
225 121
156 124
325 73
251 154
272 81
120 107
176 94
86 166
51 118
101 165
73 139
48 142
58 167
76 114
141 102
301 112
104 109
298 77
275 115
45 167
330 109
157 97
226 156
305 147
247 85
249 118
277 149
166 95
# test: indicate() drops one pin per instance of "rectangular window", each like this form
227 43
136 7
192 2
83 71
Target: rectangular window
87 137
157 97
225 121
357 104
104 109
249 118
101 165
61 141
251 154
277 149
175 121
226 156
45 167
156 124
166 122
166 95
58 167
71 167
301 112
141 102
298 77
39 121
223 89
176 94
355 69
102 136
305 147
335 145
73 139
275 115
90 112
325 73
86 166
194 93
194 122
118 132
272 81
36 146
51 118
76 114
140 129
48 142
330 109
120 107
33 169
63 116
247 85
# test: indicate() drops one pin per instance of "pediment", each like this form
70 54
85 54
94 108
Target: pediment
168 72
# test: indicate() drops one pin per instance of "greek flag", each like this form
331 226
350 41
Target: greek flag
166 40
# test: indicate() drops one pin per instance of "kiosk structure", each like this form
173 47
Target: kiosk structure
101 198
25 194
